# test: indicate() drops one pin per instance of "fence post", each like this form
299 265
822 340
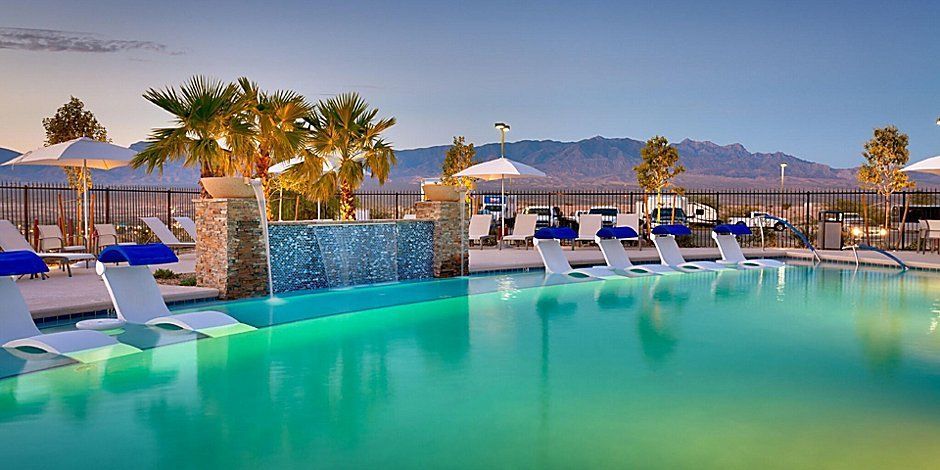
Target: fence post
26 208
169 212
397 208
807 215
107 205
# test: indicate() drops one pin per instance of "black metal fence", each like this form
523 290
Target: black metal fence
28 205
862 213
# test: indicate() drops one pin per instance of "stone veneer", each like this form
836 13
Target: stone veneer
230 255
451 257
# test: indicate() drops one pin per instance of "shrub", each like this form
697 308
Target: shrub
164 274
188 281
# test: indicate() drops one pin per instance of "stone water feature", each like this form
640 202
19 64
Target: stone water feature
231 253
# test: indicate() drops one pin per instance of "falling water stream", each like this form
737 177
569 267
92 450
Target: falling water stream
262 210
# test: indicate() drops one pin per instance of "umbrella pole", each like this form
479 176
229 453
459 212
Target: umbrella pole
85 200
502 210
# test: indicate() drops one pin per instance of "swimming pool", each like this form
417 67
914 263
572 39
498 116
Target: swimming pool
819 367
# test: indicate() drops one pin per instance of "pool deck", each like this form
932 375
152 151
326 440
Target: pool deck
85 292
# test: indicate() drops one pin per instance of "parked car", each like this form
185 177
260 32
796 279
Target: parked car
549 217
665 216
756 219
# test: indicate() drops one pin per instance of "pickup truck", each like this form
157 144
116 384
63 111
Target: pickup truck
546 217
756 220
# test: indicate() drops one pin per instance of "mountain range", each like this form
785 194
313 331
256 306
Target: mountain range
595 163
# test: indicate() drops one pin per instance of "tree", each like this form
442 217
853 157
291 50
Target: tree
885 154
210 129
459 157
72 121
276 132
660 165
345 142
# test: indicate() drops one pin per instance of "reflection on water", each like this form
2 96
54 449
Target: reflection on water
546 376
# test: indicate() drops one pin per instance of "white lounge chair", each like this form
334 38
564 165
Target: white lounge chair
17 329
523 230
188 225
664 237
547 242
610 240
164 234
588 225
107 235
409 217
725 236
52 240
136 296
12 240
479 228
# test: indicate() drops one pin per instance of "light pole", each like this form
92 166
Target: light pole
503 128
783 172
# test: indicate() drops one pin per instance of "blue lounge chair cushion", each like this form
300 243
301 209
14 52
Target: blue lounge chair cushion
556 233
17 263
138 255
733 229
617 232
676 230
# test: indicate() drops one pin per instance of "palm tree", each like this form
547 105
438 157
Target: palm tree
277 130
210 130
345 143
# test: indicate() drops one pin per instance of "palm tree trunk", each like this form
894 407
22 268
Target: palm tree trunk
347 201
261 171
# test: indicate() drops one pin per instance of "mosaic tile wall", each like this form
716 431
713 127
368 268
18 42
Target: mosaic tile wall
317 256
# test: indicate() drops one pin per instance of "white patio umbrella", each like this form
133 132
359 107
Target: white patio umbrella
501 169
930 165
81 153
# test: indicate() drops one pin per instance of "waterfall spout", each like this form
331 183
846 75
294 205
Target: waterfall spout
262 210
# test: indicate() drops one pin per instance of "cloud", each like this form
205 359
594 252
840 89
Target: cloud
48 40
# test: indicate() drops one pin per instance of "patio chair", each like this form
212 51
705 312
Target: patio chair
664 237
631 220
523 230
106 235
610 242
188 225
136 296
17 329
12 240
725 236
929 234
588 225
548 243
51 240
479 228
164 234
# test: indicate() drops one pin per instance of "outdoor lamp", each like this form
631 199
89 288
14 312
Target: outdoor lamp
503 129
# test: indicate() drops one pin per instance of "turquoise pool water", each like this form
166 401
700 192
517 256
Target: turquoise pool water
801 367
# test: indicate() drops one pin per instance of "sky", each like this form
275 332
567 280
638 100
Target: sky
811 79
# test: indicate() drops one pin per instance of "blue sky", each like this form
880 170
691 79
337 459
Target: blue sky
811 79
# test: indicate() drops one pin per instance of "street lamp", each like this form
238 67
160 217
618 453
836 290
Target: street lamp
503 129
783 171
938 121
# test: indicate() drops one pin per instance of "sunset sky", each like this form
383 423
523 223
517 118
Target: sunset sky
809 79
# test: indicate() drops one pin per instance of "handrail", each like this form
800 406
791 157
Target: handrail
861 246
795 231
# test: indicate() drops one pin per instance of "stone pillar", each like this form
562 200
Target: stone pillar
450 237
230 255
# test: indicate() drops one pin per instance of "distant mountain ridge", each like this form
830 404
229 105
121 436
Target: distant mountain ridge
594 163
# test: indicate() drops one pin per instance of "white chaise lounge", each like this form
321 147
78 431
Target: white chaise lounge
523 230
588 225
547 242
12 240
136 296
188 225
664 237
17 329
164 234
610 240
479 228
725 236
